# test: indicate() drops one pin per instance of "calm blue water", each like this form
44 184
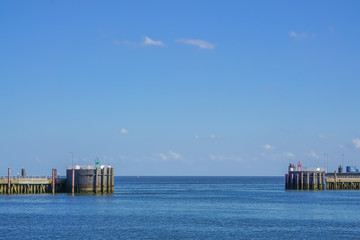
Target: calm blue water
185 208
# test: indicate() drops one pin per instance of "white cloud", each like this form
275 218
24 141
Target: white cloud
356 142
294 34
321 136
168 156
212 136
268 147
341 146
149 41
197 42
163 156
196 137
212 157
289 154
313 154
124 131
174 155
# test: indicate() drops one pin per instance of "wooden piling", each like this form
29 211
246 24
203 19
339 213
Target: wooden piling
73 181
96 180
102 180
9 181
112 180
108 180
53 181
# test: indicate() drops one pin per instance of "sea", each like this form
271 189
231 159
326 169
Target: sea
185 208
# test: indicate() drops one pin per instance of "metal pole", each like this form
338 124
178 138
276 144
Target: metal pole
72 159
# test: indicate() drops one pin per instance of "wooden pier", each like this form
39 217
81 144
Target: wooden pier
27 185
80 179
317 179
343 181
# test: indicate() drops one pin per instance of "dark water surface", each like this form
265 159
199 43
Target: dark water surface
185 208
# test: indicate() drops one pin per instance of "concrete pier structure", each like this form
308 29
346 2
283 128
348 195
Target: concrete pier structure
90 179
305 179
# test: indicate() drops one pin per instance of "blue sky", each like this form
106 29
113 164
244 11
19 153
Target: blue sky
179 87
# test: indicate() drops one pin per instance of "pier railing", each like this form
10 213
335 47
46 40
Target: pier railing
314 169
27 177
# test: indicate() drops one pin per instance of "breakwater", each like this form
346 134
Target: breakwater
299 178
79 179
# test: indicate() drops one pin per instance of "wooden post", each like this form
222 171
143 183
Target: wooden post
73 182
9 181
53 181
112 180
297 181
102 179
108 180
302 181
96 180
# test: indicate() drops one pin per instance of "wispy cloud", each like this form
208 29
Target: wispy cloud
212 157
212 136
197 42
174 155
149 41
322 136
169 155
289 154
297 35
163 156
313 154
356 142
124 131
146 42
196 136
268 147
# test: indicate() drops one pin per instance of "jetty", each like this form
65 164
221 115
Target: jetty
305 179
79 179
299 178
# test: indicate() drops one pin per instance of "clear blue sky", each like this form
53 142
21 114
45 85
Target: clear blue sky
179 87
